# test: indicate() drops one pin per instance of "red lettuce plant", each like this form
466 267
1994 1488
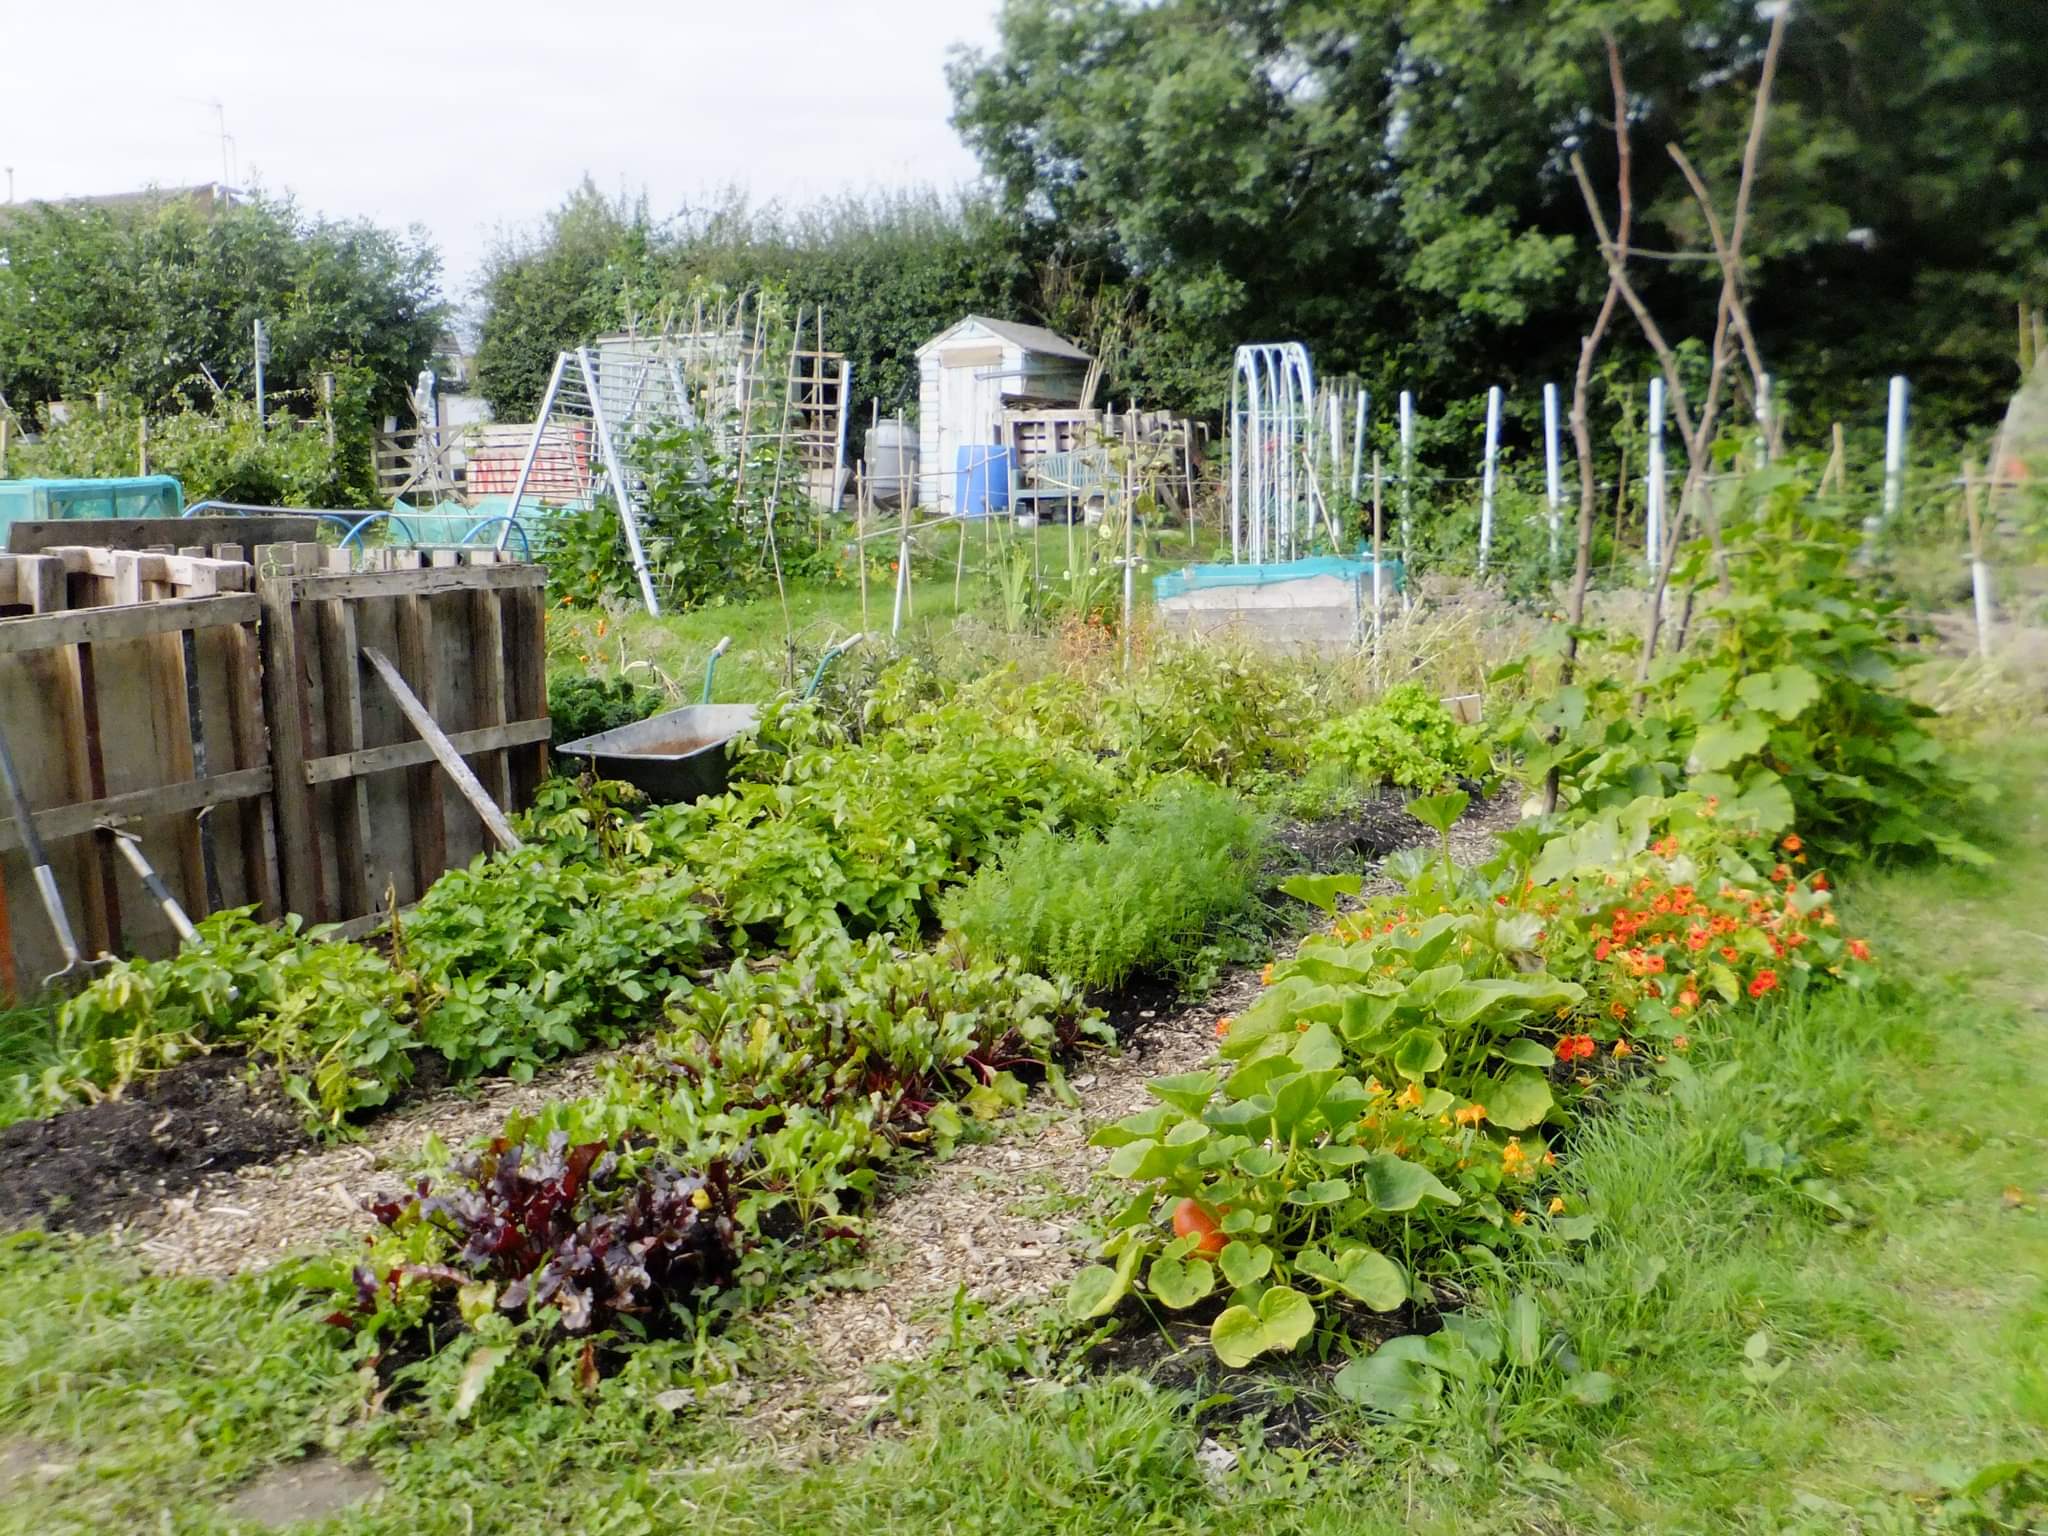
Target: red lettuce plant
528 1232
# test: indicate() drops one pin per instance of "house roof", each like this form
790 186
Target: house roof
207 196
1032 338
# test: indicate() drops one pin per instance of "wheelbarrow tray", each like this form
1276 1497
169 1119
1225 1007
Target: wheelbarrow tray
680 754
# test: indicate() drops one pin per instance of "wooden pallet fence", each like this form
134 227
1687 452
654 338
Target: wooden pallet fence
222 710
364 812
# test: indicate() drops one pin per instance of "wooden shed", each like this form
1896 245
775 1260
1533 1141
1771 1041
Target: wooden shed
969 374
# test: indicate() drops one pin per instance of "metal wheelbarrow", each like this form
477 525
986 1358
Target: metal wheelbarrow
681 754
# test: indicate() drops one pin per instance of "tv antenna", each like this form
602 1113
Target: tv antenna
227 141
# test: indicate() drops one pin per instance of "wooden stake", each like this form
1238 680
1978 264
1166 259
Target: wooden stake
444 750
1980 572
860 539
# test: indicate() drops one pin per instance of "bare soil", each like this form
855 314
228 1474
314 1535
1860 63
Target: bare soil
305 1491
111 1163
252 1216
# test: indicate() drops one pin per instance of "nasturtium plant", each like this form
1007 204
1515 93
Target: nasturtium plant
1350 1133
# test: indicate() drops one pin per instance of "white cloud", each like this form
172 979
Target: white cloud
468 115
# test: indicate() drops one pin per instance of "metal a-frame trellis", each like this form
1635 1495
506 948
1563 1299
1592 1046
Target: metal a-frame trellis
604 397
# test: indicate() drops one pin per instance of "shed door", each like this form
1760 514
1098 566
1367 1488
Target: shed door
968 398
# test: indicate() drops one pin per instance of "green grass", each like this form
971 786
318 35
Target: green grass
670 651
28 1044
1900 1299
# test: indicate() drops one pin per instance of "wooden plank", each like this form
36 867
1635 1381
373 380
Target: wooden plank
105 626
419 583
527 684
39 582
171 725
38 535
423 790
192 568
444 751
359 927
107 901
251 751
128 568
344 702
63 670
284 689
412 754
65 821
487 631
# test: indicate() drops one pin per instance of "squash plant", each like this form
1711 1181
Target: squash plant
1383 1109
1784 707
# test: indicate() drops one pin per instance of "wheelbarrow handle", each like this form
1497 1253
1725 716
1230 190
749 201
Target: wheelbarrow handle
131 850
832 654
711 665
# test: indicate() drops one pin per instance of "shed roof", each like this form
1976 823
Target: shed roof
1032 338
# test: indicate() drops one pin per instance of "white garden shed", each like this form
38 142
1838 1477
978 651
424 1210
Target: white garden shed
970 373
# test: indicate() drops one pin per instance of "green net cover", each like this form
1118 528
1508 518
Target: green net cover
34 501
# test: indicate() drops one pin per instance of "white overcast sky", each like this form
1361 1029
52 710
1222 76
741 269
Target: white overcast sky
466 116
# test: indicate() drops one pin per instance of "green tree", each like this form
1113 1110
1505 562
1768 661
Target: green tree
1388 180
577 277
145 301
889 272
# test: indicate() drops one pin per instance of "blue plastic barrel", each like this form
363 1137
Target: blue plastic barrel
981 480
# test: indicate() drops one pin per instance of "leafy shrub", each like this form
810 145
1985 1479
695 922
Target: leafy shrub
701 532
583 706
1786 706
218 454
332 1016
1406 738
524 957
1499 1000
822 834
1200 709
1149 895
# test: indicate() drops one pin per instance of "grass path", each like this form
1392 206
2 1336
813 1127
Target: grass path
1820 1280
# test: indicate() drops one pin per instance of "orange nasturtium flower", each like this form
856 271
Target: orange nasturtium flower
1266 975
1512 1158
1411 1097
1859 948
1470 1114
1623 1048
1792 843
1556 1206
1223 1026
1764 981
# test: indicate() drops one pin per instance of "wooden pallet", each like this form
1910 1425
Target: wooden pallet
223 710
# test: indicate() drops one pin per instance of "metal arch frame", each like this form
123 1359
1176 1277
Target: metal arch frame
1274 496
